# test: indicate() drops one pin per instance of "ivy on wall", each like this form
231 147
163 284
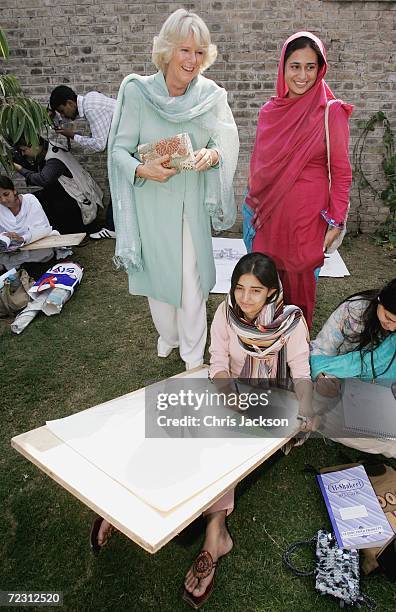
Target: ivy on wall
386 232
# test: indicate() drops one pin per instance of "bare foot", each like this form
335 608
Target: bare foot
105 531
218 543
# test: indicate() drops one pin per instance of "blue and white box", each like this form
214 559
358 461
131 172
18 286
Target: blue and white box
356 516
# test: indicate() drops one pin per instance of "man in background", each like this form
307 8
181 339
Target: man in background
97 109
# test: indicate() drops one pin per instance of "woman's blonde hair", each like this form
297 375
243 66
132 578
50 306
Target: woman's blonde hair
176 29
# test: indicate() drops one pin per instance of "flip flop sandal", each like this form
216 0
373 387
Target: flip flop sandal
93 536
202 567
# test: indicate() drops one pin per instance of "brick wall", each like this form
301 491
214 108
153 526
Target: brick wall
93 44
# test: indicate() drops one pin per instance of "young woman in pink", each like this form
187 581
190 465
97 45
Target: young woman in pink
253 336
296 217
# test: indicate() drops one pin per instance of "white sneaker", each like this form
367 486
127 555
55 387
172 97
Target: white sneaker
103 233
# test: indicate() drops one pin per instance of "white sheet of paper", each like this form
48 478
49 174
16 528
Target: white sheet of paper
334 266
162 472
226 252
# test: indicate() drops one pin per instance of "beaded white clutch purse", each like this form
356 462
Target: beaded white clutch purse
178 147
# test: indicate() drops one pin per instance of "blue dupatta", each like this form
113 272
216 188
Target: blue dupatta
351 365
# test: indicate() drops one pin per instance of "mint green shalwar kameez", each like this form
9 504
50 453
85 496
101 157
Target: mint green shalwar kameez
149 215
160 206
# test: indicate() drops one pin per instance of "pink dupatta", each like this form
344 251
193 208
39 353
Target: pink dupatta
288 131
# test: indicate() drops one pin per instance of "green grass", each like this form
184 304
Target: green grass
100 347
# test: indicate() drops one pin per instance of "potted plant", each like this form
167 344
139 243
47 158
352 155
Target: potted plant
20 115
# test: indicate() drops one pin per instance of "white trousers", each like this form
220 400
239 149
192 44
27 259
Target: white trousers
184 327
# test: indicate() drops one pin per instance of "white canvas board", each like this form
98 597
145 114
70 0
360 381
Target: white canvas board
146 526
226 252
162 472
334 266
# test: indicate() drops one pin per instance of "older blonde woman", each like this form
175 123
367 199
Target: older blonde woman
162 217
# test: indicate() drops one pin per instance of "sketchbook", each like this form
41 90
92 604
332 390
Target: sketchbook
54 241
369 409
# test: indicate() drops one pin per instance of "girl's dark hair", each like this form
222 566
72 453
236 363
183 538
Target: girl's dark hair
302 43
372 333
263 268
6 182
22 142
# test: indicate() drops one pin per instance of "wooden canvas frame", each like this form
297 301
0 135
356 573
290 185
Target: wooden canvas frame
146 526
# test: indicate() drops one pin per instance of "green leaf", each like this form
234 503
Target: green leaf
4 48
20 130
14 122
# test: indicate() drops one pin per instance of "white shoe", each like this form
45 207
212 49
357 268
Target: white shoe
163 348
103 233
194 364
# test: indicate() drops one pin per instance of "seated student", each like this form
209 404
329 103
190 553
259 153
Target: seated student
253 336
22 220
359 339
69 195
253 315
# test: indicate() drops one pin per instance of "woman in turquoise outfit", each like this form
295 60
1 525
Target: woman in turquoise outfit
357 341
162 216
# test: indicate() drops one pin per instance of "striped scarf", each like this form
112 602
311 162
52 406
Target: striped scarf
265 339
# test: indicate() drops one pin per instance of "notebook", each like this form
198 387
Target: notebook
369 409
356 516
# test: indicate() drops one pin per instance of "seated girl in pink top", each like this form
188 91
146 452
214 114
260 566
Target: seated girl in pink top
253 336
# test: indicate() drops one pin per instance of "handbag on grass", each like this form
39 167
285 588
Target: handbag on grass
338 241
337 571
14 293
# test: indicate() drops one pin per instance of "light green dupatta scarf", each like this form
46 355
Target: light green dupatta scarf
204 104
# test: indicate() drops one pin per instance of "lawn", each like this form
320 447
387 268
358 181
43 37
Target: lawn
102 346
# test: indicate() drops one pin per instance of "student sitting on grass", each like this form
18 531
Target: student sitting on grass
359 339
253 336
22 220
68 193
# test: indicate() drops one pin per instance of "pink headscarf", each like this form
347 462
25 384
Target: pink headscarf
288 131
